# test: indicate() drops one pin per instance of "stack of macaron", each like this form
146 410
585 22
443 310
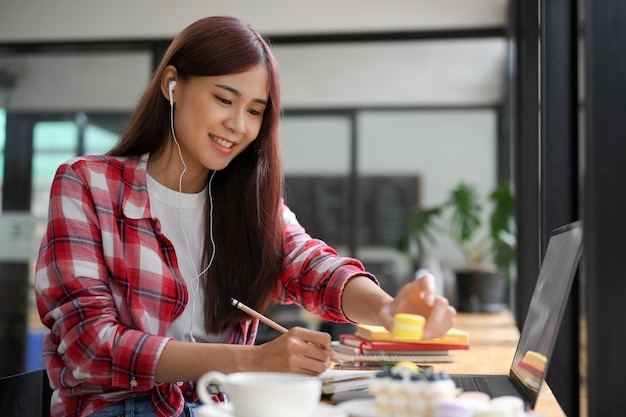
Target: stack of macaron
404 391
478 404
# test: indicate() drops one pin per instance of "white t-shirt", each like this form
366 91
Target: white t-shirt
182 221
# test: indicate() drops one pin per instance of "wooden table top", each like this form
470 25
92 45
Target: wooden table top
493 338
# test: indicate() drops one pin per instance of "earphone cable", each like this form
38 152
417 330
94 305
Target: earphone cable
195 282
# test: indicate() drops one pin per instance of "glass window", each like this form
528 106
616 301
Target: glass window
98 140
3 128
54 142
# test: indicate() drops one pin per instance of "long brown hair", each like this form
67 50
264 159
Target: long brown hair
247 222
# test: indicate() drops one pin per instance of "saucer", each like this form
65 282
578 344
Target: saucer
363 407
226 410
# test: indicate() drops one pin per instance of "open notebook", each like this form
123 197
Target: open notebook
340 380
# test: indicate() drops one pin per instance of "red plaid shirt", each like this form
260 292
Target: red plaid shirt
108 286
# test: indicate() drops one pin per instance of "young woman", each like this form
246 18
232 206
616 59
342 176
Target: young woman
146 246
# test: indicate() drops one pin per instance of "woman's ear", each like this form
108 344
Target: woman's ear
168 82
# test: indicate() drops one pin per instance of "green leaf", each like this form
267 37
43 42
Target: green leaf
421 230
466 210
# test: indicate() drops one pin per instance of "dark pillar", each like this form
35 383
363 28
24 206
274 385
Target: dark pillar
603 316
525 29
14 285
559 173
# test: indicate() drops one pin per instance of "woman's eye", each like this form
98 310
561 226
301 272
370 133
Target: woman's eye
255 112
223 100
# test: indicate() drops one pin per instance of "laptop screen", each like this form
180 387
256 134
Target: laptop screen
545 313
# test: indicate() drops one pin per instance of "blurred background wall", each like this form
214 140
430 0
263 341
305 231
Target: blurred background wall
408 96
409 89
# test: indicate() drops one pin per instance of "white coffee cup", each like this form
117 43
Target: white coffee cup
262 394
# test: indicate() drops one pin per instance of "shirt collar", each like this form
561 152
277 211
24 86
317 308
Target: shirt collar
135 198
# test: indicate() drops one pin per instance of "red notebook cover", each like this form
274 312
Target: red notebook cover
380 334
366 346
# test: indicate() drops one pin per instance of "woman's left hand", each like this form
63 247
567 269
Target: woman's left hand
420 297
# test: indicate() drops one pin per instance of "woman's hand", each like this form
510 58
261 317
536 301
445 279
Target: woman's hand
420 297
299 350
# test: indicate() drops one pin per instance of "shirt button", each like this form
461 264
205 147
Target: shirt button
180 383
133 383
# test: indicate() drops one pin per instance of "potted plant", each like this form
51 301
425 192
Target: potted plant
483 279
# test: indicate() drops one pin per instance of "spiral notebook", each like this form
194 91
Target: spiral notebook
375 344
369 346
354 356
377 334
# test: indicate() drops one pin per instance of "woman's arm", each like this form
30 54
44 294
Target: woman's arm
299 351
365 302
95 337
313 274
338 288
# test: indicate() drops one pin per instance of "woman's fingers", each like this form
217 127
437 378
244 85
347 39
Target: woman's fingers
428 288
300 351
441 318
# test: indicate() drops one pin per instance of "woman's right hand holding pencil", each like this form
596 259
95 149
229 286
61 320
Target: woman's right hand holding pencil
300 350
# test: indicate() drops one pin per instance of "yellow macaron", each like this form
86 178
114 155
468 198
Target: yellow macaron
408 326
405 369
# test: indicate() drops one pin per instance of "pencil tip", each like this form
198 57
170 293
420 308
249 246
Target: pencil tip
234 302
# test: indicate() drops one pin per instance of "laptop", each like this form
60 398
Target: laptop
541 328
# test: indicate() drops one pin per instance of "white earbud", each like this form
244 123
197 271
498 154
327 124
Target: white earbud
196 279
170 87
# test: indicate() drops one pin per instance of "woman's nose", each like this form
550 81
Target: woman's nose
236 122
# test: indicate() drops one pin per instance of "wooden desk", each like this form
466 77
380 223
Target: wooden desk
493 338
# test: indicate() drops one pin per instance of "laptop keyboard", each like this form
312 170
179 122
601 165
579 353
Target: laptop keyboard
472 384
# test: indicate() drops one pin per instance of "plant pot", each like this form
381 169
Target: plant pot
481 291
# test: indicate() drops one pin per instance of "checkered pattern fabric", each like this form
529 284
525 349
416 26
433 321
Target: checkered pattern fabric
108 286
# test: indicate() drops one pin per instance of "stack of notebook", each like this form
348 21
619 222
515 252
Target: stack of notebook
376 345
340 380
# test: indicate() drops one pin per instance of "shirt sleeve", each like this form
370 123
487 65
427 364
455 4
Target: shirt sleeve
89 343
313 274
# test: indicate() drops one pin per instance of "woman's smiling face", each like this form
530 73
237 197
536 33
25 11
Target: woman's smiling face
217 117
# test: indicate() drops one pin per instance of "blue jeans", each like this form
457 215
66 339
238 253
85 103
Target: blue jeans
140 407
